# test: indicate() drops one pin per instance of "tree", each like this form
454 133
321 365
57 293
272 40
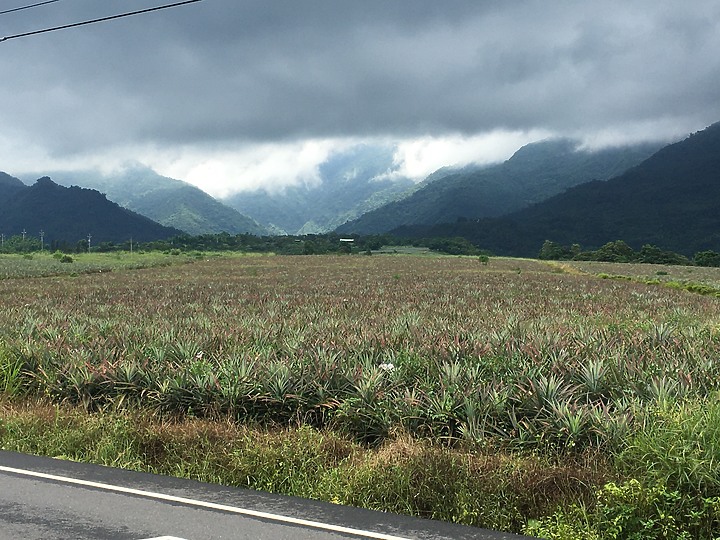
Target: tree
552 251
82 246
707 258
617 251
308 247
18 244
653 254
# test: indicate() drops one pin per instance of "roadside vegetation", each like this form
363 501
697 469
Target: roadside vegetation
512 394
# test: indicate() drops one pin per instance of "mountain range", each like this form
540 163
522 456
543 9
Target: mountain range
349 183
670 200
67 215
550 190
534 173
170 202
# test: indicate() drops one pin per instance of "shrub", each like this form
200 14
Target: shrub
707 258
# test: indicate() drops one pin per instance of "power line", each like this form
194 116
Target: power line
28 7
102 19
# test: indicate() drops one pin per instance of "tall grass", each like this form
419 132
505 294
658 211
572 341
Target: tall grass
10 373
403 475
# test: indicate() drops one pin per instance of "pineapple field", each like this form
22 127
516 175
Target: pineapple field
571 400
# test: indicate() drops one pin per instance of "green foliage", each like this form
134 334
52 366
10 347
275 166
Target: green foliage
552 251
570 523
697 288
412 477
678 445
670 199
566 367
460 197
617 251
20 244
633 511
10 372
654 255
451 246
707 258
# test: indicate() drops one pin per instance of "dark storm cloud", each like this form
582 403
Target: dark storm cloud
235 70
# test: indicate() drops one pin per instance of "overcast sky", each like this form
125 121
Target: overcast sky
230 94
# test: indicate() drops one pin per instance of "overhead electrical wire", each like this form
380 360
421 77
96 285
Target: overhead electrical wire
28 7
102 19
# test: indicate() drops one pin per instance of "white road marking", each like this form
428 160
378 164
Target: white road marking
205 504
164 538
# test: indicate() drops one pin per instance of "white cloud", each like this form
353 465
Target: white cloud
273 166
656 130
222 172
417 158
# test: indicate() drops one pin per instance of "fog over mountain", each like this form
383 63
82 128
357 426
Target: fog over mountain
349 183
534 173
670 200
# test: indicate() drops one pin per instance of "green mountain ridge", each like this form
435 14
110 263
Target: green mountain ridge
535 172
9 184
670 200
67 215
168 201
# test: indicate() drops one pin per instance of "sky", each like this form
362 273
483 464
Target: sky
240 94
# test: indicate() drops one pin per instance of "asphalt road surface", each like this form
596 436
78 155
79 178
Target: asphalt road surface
43 498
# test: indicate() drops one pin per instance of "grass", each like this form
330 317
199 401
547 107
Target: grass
516 395
403 475
707 276
46 264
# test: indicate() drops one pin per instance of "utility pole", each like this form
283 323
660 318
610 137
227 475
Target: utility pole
23 234
2 240
131 245
42 240
89 238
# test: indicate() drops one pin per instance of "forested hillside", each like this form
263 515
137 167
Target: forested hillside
68 215
670 200
170 202
534 173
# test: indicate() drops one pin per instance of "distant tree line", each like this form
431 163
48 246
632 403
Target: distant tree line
31 244
318 244
619 251
310 244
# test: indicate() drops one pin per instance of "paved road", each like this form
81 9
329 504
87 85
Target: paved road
42 498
